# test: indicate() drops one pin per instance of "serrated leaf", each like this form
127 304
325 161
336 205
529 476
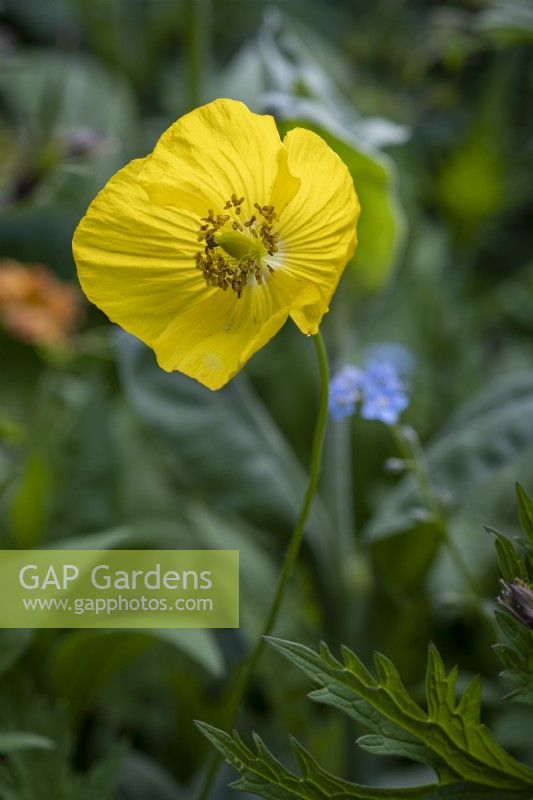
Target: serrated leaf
454 740
516 655
515 630
509 657
358 708
511 563
264 775
388 746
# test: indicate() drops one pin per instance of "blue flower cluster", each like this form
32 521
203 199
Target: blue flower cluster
379 388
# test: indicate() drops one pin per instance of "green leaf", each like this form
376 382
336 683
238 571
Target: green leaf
515 631
525 511
404 560
381 227
264 775
450 735
11 742
516 655
516 652
512 564
84 662
30 507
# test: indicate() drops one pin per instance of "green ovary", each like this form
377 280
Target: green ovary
241 246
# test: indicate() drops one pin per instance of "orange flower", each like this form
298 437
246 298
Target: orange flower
35 306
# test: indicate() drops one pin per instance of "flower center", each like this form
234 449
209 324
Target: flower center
237 251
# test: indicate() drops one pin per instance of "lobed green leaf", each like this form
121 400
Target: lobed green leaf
264 775
449 736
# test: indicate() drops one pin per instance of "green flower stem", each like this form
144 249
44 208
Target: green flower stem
247 671
414 457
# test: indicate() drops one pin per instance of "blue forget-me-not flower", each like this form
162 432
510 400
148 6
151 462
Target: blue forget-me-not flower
379 388
384 393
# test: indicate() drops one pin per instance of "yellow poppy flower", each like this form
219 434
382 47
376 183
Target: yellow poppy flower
204 248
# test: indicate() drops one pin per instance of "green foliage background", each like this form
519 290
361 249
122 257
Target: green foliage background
427 104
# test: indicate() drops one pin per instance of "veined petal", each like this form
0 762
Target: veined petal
318 226
213 340
136 260
205 156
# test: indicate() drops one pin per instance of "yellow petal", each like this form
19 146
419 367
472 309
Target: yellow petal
135 248
213 340
205 156
318 226
135 260
285 184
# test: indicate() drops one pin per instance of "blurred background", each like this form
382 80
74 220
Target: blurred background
429 104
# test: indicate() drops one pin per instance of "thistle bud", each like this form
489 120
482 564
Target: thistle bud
517 598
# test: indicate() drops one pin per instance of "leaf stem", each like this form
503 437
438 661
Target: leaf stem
247 671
